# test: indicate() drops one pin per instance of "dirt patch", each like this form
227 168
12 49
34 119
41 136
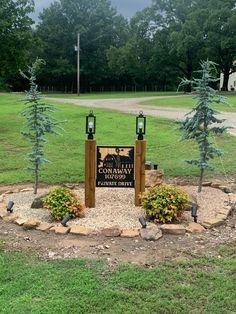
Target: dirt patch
116 250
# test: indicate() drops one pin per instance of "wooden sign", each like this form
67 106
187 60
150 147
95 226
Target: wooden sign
115 166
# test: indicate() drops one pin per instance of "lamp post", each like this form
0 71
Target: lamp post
140 157
90 160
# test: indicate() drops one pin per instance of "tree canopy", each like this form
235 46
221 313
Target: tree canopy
154 48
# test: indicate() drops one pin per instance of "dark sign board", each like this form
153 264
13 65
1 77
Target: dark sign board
115 166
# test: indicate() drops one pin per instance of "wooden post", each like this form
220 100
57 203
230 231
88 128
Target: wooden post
140 156
90 172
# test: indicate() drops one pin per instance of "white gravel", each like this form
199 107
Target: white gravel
116 207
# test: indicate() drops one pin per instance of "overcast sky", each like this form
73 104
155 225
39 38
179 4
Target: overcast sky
127 7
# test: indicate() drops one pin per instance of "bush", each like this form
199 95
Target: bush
164 203
61 201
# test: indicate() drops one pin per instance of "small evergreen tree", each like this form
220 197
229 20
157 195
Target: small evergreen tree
201 122
38 121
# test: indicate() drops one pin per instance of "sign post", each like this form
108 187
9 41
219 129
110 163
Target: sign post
90 161
140 157
90 173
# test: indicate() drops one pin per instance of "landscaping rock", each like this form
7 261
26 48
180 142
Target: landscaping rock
44 226
3 212
80 230
225 211
207 183
221 216
20 221
173 229
111 232
225 189
232 223
194 227
7 192
129 233
38 201
60 229
153 177
213 222
216 184
27 190
151 233
3 206
10 217
31 224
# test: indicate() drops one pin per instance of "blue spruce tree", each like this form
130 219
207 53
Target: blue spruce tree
201 123
38 122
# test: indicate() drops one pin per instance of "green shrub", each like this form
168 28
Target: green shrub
61 201
164 203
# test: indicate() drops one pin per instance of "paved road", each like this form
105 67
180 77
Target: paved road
134 105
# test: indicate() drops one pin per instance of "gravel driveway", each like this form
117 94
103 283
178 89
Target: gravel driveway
134 105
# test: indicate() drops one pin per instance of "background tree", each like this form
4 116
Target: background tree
15 38
99 26
38 122
220 35
198 127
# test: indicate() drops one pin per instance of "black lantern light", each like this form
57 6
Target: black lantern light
10 206
140 125
90 125
142 222
65 219
194 212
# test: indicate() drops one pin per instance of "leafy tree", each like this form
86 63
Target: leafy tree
199 124
15 37
99 26
38 122
220 35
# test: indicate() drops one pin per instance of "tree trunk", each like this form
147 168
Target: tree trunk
226 72
36 178
200 180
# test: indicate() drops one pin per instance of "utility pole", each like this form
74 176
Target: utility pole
78 64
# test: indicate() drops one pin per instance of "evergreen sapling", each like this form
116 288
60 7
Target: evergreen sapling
201 123
38 122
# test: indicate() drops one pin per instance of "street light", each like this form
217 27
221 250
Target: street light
140 125
90 125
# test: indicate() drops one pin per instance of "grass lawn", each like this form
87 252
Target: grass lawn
202 285
188 102
67 151
101 95
107 95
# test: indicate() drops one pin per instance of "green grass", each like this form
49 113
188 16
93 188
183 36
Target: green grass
188 102
67 151
110 95
201 285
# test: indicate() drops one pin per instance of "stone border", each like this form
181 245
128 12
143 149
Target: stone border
152 232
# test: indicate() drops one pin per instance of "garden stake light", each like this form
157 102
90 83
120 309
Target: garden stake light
142 222
90 125
10 206
65 219
194 212
140 125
